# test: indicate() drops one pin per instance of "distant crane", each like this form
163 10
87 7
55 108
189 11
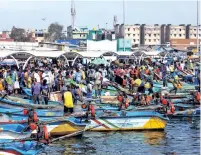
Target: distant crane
43 19
73 13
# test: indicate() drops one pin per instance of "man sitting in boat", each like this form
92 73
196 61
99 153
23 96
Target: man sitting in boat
68 101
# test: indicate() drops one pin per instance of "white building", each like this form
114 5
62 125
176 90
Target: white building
77 33
193 32
177 32
152 34
132 32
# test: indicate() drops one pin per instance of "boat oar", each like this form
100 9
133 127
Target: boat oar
74 133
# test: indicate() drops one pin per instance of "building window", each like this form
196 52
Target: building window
194 35
128 29
133 35
80 35
128 34
175 35
195 30
180 35
133 40
154 35
179 29
149 40
149 35
133 29
154 40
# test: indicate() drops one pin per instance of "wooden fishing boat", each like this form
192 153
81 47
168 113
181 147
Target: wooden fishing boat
7 147
13 134
55 127
186 113
27 91
19 102
125 121
130 108
40 112
109 99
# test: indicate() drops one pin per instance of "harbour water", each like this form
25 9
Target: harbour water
179 138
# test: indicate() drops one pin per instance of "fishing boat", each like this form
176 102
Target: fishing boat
40 112
56 127
9 147
19 102
186 113
8 134
125 121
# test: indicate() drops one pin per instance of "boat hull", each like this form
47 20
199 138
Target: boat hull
127 124
54 127
18 148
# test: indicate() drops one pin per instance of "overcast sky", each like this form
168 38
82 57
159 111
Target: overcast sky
29 13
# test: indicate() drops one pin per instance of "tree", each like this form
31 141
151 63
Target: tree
55 32
19 34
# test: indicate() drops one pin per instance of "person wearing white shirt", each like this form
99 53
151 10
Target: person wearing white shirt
97 84
182 65
37 77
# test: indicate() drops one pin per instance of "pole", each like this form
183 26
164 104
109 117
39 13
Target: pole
124 22
197 26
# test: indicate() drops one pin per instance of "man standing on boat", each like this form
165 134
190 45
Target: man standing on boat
68 101
36 91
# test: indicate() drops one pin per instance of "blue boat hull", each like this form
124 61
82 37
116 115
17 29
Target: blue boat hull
40 112
26 147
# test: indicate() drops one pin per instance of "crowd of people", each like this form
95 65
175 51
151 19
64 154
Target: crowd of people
43 77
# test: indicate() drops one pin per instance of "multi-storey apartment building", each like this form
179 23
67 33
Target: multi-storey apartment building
191 32
151 34
155 34
132 32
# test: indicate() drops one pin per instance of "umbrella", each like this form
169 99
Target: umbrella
99 61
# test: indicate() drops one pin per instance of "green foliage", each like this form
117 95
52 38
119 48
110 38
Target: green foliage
55 32
20 35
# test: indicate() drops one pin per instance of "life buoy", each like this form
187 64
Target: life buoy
92 109
46 134
32 126
35 117
25 111
120 98
172 108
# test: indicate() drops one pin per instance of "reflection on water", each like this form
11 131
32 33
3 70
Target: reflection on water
179 137
154 138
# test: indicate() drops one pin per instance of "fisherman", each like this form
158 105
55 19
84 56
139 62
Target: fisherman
45 91
68 101
36 91
176 84
97 84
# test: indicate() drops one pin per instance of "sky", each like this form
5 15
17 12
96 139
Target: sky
29 13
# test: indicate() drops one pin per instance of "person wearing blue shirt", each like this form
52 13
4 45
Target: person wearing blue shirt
36 91
78 76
